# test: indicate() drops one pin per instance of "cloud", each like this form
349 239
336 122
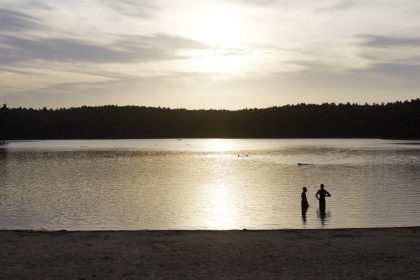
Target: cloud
382 41
389 55
132 7
15 21
403 70
339 6
260 2
257 2
125 49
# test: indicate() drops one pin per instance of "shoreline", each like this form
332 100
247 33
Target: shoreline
354 253
204 230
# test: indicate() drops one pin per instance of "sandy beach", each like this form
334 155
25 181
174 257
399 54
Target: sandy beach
391 253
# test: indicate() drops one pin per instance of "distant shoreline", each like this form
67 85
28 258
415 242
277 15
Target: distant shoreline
397 120
370 253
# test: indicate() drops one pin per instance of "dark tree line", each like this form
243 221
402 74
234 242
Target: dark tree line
391 120
3 115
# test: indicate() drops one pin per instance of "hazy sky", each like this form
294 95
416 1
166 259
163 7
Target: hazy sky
208 54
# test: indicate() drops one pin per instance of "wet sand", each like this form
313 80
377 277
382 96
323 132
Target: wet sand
392 253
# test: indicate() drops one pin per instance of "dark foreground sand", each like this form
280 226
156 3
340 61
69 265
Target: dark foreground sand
392 253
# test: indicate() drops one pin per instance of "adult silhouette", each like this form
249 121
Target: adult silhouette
320 195
304 202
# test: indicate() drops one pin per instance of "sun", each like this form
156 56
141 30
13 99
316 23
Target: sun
224 34
218 27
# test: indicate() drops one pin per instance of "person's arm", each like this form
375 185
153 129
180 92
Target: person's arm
327 193
317 194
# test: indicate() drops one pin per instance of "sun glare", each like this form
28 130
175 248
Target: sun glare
217 61
224 33
217 145
219 28
222 214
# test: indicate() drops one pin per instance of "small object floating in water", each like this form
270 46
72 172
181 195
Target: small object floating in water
243 155
300 164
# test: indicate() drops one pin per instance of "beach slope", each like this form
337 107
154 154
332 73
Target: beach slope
392 253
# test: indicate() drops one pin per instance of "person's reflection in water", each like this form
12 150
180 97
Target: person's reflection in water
323 216
304 204
304 215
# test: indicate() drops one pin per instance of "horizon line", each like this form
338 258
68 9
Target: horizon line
217 109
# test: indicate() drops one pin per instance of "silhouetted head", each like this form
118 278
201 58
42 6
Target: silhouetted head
304 189
322 186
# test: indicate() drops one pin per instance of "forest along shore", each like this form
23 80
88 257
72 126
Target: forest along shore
388 253
398 120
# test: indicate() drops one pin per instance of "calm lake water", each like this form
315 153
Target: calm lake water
204 184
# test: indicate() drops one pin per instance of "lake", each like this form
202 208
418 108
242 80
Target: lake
208 183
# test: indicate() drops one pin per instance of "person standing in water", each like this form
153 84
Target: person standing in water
304 202
320 195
